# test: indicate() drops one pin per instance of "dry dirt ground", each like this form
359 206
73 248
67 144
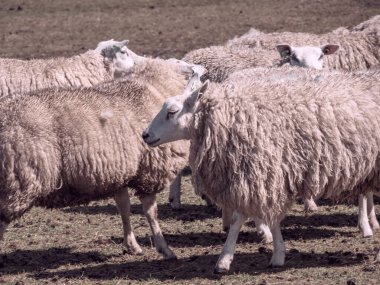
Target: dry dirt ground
83 244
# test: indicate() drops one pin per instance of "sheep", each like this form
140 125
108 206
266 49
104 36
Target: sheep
358 50
256 147
109 60
221 61
295 75
62 147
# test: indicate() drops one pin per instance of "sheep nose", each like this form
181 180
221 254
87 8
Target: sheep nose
145 135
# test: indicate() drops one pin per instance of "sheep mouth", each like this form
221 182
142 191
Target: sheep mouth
153 143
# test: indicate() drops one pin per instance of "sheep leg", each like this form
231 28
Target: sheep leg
227 255
371 212
226 219
364 226
124 206
263 230
175 193
150 210
310 205
3 227
278 257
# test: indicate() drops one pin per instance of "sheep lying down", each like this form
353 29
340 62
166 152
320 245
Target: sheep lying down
67 147
256 148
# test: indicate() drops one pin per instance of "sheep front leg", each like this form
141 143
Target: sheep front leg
3 227
175 193
263 230
364 226
124 206
310 205
226 219
227 255
150 210
278 257
371 212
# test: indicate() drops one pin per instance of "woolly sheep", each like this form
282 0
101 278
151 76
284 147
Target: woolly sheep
293 76
65 147
109 60
357 50
256 147
221 61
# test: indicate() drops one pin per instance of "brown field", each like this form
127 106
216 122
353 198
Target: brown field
82 245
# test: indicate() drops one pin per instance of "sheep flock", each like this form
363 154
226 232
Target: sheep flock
262 121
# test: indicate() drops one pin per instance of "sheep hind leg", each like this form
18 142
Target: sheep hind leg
227 255
150 210
371 212
263 230
278 257
175 193
226 219
363 222
124 206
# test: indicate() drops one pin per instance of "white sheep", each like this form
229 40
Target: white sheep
357 50
109 60
256 148
293 76
221 61
62 147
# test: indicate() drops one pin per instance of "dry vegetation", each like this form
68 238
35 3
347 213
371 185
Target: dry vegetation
83 244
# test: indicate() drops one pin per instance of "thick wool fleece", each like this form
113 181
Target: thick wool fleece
24 76
358 50
256 147
64 147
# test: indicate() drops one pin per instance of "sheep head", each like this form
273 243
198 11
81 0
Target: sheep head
172 121
117 53
306 56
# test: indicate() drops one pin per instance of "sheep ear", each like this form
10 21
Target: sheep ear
329 49
284 50
124 43
196 94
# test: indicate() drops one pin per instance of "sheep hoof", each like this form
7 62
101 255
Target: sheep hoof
219 270
171 257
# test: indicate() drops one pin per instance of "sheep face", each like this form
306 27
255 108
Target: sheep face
117 53
307 56
173 120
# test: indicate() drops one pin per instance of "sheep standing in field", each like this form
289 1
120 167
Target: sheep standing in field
256 148
358 50
367 216
65 147
222 61
109 60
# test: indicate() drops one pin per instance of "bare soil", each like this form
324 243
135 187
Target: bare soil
83 244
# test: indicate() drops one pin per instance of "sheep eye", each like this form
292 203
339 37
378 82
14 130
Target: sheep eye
170 113
320 57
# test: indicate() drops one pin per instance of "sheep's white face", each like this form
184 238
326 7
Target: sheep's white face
307 56
119 54
172 122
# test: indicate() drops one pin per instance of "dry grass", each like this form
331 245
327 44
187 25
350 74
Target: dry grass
83 244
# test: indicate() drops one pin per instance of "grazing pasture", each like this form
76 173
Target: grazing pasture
83 244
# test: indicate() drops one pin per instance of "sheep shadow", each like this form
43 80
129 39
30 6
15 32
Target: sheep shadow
202 265
165 212
21 261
